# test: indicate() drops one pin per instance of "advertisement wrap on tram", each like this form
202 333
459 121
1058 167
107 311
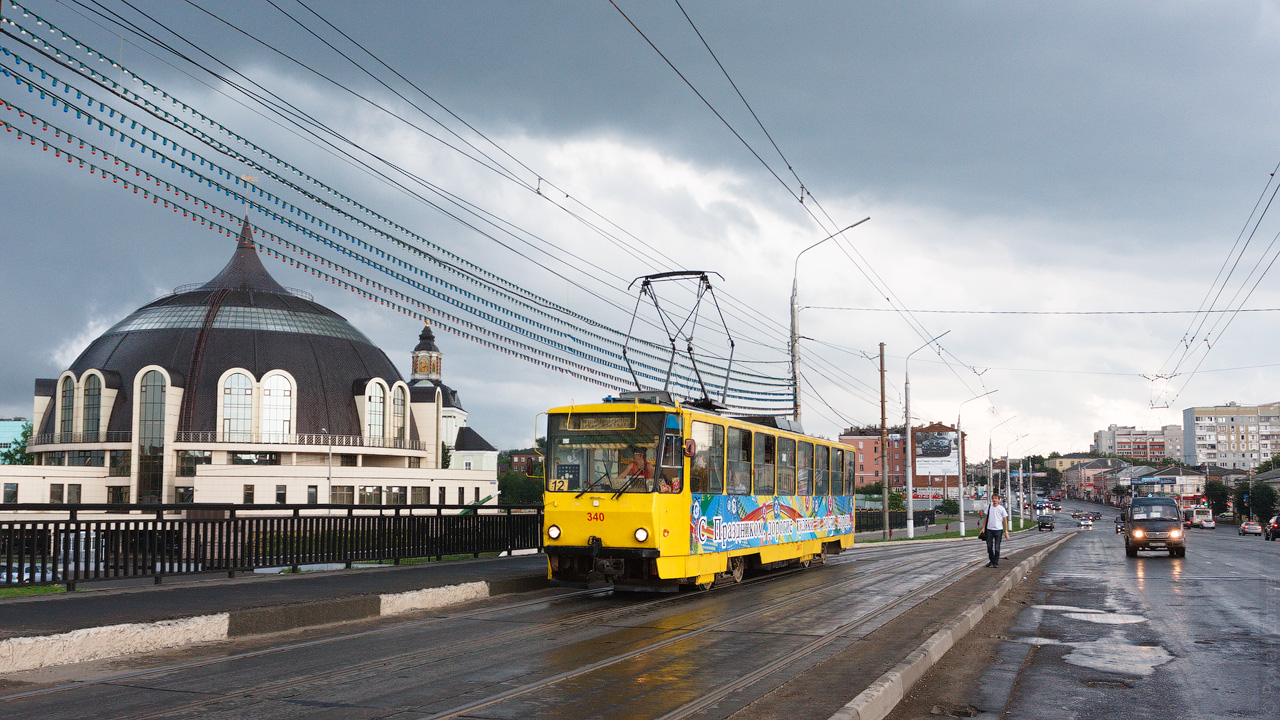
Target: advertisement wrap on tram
734 522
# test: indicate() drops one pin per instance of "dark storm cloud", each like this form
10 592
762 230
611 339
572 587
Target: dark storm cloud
1041 138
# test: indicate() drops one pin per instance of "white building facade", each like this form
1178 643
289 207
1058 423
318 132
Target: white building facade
242 391
1233 436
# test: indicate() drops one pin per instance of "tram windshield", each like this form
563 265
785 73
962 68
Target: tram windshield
615 452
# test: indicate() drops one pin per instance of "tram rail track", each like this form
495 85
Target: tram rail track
576 619
681 637
886 563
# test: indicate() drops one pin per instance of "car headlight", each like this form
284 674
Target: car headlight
553 532
1175 533
1138 533
641 534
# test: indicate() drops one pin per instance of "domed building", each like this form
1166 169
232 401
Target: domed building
240 390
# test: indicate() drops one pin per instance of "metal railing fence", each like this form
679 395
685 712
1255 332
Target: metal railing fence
103 542
873 520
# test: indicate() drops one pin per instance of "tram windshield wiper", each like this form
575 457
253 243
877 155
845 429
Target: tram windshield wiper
624 488
593 484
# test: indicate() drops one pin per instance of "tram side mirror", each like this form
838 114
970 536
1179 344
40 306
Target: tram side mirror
690 447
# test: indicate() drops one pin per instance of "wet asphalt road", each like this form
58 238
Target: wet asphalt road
1152 637
560 655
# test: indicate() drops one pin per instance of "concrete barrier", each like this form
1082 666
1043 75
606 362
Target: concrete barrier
883 695
19 654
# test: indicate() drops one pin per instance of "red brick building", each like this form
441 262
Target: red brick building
867 443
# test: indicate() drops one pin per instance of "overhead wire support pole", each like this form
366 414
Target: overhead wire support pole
884 454
795 317
963 466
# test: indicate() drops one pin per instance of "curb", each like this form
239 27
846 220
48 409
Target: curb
883 695
18 654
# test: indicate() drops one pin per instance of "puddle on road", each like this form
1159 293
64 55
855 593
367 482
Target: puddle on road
1105 618
1116 654
1065 608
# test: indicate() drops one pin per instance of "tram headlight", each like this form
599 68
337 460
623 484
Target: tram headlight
553 532
641 534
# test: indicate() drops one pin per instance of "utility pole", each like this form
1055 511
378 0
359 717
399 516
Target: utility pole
884 453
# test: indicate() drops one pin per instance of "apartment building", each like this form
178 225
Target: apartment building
1145 445
867 441
1233 436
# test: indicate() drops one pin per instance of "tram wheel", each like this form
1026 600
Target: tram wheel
737 569
702 587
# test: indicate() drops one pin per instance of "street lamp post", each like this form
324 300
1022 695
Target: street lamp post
991 474
329 473
1008 481
911 455
795 318
960 440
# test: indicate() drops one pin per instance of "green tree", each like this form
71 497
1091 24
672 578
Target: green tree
516 488
1238 501
446 456
1269 464
17 452
949 507
871 488
897 501
1218 495
1262 498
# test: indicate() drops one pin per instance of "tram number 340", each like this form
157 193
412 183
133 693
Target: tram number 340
595 517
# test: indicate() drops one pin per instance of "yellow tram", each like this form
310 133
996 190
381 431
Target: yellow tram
645 493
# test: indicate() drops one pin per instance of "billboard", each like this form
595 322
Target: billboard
937 453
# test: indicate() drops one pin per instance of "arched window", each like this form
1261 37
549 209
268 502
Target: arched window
277 408
374 411
151 437
68 408
237 408
92 405
397 416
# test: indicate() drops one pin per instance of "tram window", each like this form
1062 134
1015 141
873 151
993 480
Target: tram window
850 477
837 471
739 464
707 473
766 446
804 469
608 452
672 467
786 466
822 480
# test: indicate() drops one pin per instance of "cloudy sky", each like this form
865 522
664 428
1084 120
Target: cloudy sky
1011 157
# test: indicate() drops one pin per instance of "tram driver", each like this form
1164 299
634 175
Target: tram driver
639 469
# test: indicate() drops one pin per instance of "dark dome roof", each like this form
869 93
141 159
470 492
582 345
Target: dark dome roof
426 341
241 318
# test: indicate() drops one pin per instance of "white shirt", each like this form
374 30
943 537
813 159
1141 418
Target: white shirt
995 517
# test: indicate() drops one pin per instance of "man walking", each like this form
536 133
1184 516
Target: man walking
996 525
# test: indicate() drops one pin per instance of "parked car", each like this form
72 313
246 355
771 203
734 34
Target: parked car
1250 528
1045 522
1154 524
1271 528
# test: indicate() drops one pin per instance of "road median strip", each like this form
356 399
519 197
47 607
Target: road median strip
883 695
18 654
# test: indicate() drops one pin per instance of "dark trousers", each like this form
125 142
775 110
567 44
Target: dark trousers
993 545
